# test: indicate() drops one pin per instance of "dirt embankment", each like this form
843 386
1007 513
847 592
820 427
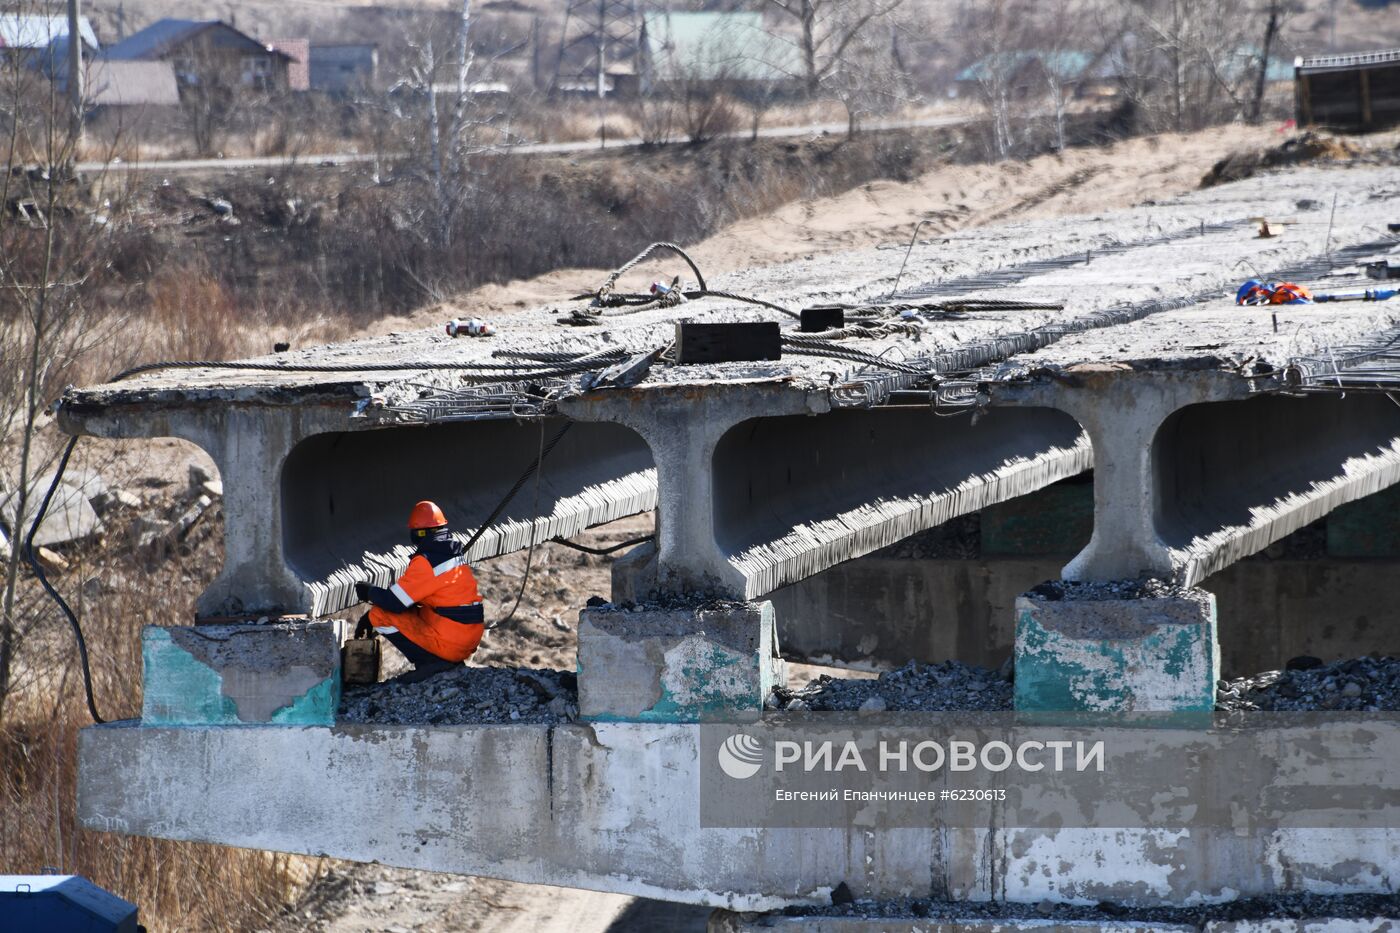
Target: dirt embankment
950 196
1306 148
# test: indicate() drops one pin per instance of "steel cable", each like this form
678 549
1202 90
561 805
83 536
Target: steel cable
617 273
49 587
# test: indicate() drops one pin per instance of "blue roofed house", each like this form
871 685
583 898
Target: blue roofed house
1028 72
40 41
205 52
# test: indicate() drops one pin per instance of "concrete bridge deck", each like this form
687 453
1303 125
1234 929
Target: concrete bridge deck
1144 295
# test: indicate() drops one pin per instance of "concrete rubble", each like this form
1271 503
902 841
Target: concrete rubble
70 516
1285 907
1368 684
946 687
467 695
1283 914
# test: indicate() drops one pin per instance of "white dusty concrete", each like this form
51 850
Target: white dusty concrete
262 428
614 807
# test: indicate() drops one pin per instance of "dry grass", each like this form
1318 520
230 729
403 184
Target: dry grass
178 886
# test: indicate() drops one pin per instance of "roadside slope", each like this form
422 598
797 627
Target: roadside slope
955 197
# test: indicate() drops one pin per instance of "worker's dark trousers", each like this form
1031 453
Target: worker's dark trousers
417 656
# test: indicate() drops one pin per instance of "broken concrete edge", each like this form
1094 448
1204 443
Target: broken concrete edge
682 663
81 410
1148 654
282 673
724 921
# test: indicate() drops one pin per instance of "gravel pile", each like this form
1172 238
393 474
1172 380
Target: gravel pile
914 687
467 695
671 602
1056 590
1357 684
1293 906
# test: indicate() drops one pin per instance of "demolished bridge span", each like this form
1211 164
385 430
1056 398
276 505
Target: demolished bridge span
676 440
763 473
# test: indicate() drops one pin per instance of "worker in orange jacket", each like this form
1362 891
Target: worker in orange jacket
433 614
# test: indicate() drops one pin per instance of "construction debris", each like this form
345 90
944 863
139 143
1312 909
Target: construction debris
1309 147
1145 588
1288 910
468 695
50 561
69 518
915 687
1367 684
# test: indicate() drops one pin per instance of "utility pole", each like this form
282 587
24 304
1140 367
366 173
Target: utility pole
602 74
596 34
75 76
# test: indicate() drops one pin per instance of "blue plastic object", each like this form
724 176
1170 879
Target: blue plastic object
62 904
1370 294
1246 293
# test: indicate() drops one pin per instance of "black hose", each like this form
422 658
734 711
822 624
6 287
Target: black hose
602 551
524 478
48 587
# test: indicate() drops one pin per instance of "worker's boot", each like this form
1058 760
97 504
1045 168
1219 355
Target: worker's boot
422 672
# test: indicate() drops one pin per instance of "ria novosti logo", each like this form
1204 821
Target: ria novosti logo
741 756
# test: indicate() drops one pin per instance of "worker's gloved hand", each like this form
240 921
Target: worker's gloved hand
362 591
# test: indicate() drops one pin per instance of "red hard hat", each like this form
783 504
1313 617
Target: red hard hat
426 515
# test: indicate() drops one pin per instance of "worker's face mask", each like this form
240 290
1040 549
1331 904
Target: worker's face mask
420 536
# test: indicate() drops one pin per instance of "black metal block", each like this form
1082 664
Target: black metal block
727 343
823 317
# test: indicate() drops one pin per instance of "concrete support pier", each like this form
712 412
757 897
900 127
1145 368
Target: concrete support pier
1112 648
677 665
222 675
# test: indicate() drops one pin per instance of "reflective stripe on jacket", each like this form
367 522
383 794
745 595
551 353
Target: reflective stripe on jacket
449 586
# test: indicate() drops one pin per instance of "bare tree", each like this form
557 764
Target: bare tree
1276 14
868 80
443 125
1185 63
995 40
52 250
700 79
827 31
655 115
214 92
1063 53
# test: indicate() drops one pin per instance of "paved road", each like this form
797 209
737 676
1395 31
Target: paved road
329 160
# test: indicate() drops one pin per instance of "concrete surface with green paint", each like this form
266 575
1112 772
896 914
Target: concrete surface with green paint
1117 654
228 675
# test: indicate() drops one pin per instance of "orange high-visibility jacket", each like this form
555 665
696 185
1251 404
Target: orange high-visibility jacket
443 612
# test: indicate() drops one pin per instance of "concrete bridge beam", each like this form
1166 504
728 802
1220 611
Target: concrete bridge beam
1121 410
249 446
682 429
